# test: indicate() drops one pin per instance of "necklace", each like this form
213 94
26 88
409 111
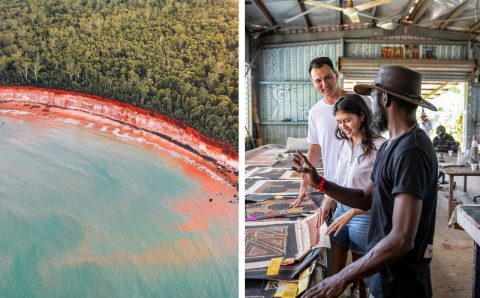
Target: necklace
411 127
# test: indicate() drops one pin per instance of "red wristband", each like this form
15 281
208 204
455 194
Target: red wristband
321 185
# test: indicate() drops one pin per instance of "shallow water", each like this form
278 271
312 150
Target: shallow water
85 215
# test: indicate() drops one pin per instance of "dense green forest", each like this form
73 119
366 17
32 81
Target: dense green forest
178 58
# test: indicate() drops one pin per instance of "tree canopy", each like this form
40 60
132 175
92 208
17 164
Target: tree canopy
178 58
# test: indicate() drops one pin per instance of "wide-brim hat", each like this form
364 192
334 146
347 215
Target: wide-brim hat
399 81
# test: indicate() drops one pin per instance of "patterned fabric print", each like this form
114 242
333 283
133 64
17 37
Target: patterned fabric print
269 174
322 259
288 162
257 288
279 187
278 208
266 242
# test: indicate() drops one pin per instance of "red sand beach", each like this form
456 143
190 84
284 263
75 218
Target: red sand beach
218 179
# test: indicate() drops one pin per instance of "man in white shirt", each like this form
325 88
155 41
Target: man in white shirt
321 121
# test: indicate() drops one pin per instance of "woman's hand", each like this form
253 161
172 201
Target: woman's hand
323 211
340 222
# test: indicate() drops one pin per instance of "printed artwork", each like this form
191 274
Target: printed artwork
266 242
392 51
275 187
266 173
287 163
317 197
278 208
290 271
412 51
429 52
263 156
258 288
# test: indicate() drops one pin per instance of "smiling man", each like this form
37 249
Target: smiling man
322 124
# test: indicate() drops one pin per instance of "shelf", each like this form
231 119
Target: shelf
284 123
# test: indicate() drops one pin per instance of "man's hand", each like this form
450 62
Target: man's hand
302 165
331 287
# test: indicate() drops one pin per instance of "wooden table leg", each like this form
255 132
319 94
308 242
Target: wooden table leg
450 196
476 272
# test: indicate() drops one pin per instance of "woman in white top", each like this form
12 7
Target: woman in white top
354 167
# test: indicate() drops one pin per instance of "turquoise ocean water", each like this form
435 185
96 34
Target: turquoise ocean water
85 215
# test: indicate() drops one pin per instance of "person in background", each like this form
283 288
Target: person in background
358 149
444 142
426 125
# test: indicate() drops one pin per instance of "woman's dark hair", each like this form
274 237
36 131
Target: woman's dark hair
355 104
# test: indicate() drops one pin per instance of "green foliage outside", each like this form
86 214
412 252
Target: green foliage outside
178 58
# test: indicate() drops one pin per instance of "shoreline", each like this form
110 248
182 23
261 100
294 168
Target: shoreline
217 156
191 162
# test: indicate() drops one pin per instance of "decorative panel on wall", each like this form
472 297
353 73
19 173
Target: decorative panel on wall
285 92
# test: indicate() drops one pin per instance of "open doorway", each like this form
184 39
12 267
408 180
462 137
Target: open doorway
448 97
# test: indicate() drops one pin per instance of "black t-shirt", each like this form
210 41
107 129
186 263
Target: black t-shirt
406 165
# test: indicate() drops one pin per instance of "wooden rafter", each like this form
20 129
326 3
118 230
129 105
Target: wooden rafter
264 11
436 90
475 26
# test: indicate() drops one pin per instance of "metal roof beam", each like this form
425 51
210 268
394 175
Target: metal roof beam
407 9
264 11
420 11
367 33
475 26
305 16
455 13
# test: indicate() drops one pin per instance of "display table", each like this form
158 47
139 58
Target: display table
468 218
457 171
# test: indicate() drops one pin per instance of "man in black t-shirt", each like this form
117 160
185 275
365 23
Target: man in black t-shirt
402 194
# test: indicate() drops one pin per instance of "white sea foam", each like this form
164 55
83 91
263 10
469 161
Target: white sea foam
172 153
68 120
16 112
126 136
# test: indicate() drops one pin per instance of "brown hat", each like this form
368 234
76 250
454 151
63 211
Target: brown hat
399 81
